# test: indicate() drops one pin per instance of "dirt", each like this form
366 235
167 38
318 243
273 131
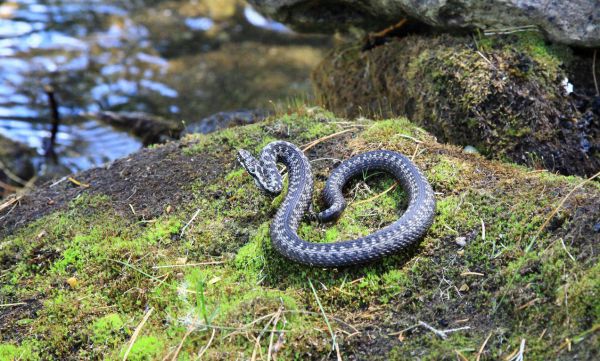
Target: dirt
141 186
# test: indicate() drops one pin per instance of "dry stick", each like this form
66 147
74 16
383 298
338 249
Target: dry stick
594 72
137 332
440 333
203 350
562 202
9 203
483 347
189 264
13 304
317 141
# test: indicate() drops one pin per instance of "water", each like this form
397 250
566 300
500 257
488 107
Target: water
182 60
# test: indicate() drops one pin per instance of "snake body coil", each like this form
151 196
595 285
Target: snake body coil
411 226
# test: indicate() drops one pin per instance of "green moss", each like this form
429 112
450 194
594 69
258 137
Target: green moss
223 274
106 330
145 348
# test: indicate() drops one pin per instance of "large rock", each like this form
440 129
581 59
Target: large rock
507 96
575 22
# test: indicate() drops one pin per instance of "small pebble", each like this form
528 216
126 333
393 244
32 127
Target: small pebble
469 149
72 281
461 241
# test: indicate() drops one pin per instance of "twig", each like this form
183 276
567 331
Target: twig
461 356
203 349
562 202
334 344
9 203
469 273
594 72
317 141
190 222
189 264
137 332
483 347
442 333
78 183
13 304
482 230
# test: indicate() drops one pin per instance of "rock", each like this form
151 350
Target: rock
502 95
16 166
574 22
151 129
469 149
226 119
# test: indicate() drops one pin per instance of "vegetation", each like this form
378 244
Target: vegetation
201 278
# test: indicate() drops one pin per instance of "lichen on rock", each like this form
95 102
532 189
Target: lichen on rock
192 251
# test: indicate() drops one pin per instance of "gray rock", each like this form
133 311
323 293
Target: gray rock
226 119
573 22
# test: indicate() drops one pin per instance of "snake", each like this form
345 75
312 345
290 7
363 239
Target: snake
395 237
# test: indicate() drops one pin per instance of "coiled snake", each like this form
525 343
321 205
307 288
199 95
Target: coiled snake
411 226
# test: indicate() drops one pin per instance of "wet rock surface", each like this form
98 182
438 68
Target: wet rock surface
570 22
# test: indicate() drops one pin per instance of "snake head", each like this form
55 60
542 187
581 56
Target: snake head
266 176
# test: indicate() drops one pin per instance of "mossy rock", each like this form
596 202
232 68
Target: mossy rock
504 95
178 236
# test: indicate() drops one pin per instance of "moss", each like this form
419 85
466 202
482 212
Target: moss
145 348
501 94
106 330
221 273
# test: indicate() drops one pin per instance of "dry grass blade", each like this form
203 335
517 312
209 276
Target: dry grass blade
203 350
334 343
376 196
174 358
277 316
483 347
317 141
562 202
137 331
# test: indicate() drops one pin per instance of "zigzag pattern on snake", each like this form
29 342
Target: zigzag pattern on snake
409 228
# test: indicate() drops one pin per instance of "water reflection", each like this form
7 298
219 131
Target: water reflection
182 60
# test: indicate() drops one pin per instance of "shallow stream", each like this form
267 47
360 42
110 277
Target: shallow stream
182 60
